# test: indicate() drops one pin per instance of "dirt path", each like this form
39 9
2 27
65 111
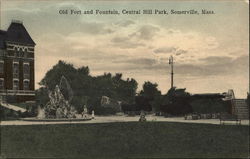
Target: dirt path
107 119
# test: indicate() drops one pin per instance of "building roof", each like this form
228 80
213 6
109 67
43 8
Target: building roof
2 38
15 33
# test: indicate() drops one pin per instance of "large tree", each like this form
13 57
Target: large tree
177 102
87 89
151 93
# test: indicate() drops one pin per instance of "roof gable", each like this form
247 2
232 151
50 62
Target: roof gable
2 38
17 33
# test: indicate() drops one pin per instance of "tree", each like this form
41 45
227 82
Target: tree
53 76
176 102
150 90
42 96
143 103
80 84
151 93
83 70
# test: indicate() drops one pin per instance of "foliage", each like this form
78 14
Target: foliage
210 105
128 107
152 95
42 96
150 90
143 103
176 102
87 89
157 102
9 114
78 102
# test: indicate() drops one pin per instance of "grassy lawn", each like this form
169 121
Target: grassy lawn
125 140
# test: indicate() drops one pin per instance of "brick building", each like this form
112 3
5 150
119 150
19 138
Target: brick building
16 64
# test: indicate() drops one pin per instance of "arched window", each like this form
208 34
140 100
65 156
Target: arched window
15 52
26 52
15 69
15 84
26 70
26 85
21 52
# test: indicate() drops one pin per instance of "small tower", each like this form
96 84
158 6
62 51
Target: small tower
171 63
17 67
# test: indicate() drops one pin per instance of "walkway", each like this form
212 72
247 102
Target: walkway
108 119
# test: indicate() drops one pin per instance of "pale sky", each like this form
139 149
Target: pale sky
211 52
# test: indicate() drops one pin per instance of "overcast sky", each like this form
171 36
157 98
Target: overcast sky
211 52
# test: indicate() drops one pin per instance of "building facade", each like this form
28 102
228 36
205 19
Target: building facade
16 64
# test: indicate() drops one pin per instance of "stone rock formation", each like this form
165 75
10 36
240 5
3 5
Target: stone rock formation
58 107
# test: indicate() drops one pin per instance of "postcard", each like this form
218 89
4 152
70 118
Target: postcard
124 79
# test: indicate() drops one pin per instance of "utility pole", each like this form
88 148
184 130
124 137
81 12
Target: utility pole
171 63
1 14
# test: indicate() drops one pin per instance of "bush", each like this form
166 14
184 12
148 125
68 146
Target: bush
78 103
179 107
210 106
128 107
143 103
9 114
99 110
176 102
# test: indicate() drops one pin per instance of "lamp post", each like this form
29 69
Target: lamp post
171 63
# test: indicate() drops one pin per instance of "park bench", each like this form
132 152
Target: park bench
229 117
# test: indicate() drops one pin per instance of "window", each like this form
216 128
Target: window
26 70
1 66
21 53
1 52
15 70
25 52
16 52
26 84
15 84
1 83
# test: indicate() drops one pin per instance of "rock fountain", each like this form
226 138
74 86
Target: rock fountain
58 107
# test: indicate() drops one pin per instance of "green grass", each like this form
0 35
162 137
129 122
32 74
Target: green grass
125 140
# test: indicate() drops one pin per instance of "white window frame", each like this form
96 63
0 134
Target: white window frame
26 80
15 79
2 79
15 62
26 63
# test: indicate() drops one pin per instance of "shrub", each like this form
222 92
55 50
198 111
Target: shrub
210 106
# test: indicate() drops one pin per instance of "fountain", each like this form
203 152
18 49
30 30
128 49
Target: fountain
58 107
41 113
